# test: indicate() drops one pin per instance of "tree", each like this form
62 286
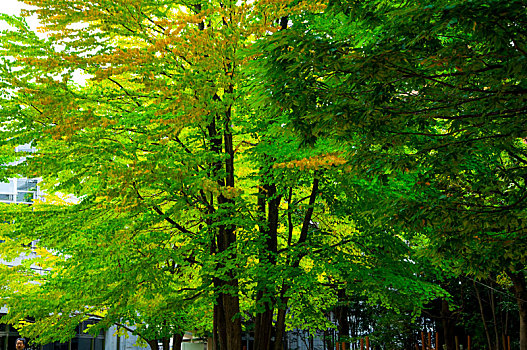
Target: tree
147 146
430 98
161 217
191 192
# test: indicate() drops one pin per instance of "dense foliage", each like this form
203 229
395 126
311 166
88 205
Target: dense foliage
262 163
429 96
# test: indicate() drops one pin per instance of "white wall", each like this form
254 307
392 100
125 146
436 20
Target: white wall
193 346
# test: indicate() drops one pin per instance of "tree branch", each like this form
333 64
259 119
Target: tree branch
309 213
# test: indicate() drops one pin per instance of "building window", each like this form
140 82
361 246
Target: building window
23 191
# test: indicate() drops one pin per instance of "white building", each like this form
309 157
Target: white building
20 191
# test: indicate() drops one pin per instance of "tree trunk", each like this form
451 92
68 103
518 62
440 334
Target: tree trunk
341 313
218 332
153 344
493 308
231 308
165 342
227 322
520 293
227 319
280 330
177 340
487 334
263 327
448 322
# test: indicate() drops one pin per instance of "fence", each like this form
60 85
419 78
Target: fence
426 343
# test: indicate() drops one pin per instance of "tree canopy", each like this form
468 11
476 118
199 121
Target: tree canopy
227 163
429 96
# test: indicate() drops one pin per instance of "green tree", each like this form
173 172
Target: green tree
430 96
177 202
193 198
147 147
